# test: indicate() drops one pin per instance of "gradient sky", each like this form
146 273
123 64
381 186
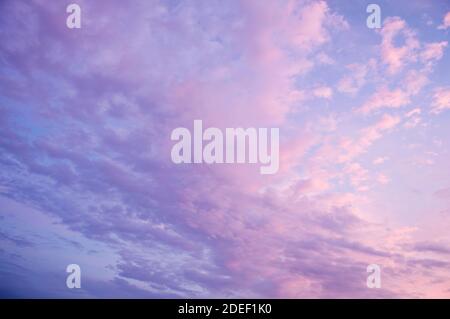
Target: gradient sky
86 175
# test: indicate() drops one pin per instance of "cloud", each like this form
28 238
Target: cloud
324 58
441 100
358 175
93 149
380 160
383 179
433 51
324 92
413 118
412 84
397 56
446 23
385 98
356 78
414 112
436 247
367 136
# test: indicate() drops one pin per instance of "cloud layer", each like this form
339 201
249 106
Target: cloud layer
86 176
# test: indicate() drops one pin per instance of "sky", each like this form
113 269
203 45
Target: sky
86 176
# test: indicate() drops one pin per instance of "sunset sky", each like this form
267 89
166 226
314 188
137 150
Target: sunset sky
86 175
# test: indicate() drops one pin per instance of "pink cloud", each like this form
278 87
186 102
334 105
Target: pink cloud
396 57
324 92
325 59
384 97
413 112
380 160
433 51
441 100
383 179
446 23
356 77
312 185
358 175
311 27
415 81
367 137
